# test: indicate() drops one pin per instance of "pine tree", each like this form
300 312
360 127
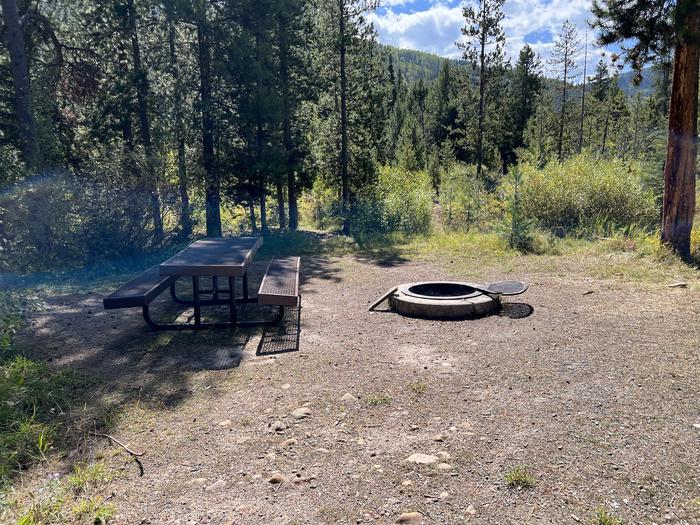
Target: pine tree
484 49
563 60
525 87
655 26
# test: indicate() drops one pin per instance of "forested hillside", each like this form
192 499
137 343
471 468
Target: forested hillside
165 120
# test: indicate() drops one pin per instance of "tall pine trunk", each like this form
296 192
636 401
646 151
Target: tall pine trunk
583 98
287 123
185 217
482 99
562 114
679 171
19 67
280 203
212 198
259 138
142 89
344 182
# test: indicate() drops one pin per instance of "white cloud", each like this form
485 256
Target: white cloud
437 28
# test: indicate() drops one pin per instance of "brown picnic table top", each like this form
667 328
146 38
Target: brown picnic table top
214 257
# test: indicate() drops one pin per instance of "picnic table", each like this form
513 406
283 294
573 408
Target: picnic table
218 259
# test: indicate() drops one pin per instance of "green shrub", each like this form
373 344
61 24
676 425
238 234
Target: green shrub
462 196
401 201
582 193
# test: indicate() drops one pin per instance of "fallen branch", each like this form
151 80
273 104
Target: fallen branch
115 440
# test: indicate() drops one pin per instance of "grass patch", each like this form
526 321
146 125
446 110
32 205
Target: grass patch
95 509
603 517
87 477
519 478
374 400
418 388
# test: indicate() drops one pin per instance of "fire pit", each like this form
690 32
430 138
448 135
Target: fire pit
442 300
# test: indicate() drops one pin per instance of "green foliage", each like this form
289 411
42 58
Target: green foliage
30 398
519 477
603 517
462 197
400 201
583 193
519 226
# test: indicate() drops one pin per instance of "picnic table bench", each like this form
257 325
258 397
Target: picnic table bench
225 258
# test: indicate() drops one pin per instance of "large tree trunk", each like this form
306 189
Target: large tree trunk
344 182
185 217
280 204
259 137
287 123
19 67
211 179
679 172
142 89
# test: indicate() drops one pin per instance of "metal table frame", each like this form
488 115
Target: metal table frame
216 293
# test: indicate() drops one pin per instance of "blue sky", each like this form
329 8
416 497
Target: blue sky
434 25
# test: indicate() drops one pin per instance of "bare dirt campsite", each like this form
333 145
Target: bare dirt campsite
366 262
580 395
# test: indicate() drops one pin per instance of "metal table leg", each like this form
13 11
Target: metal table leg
197 308
245 286
232 300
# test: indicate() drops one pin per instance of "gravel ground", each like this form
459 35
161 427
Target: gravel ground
590 385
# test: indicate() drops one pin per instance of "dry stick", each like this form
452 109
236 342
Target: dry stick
133 454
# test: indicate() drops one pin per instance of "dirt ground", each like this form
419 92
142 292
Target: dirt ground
593 386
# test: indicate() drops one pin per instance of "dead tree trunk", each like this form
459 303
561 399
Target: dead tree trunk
679 171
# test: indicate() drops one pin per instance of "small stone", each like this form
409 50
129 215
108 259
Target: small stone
410 518
301 413
696 426
322 450
289 442
444 495
348 398
471 510
678 285
444 455
439 437
407 483
278 426
443 466
243 440
217 485
286 386
422 459
225 423
197 481
277 477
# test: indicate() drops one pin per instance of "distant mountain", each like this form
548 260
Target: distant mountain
416 65
645 88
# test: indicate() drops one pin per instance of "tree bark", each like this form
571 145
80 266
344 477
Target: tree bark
142 90
287 124
344 182
211 179
185 217
280 204
679 171
482 97
259 138
19 67
583 98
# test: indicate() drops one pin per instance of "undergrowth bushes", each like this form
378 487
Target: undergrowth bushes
584 195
